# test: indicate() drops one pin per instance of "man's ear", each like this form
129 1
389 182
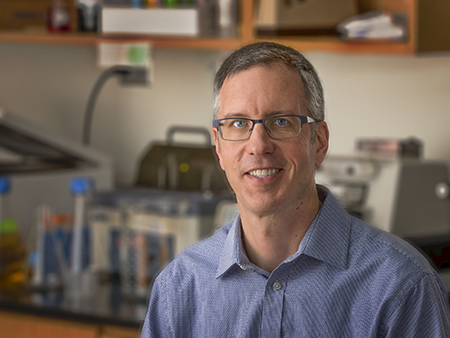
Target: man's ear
218 148
322 140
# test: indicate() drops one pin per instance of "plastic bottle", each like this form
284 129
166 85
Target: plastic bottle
88 12
208 17
133 260
228 18
58 17
38 279
78 276
13 270
50 260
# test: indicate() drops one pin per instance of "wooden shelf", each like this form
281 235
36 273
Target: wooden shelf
90 39
328 44
428 33
47 38
335 44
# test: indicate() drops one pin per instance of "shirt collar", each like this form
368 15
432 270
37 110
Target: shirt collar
231 249
327 239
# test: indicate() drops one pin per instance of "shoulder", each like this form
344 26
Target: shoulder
412 296
395 268
366 247
398 280
377 245
369 251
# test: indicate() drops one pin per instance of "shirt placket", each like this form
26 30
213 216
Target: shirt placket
273 302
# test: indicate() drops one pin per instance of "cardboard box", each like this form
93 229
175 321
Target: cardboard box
29 14
303 17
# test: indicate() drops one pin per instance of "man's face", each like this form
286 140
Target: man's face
257 93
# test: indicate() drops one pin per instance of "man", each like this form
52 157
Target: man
294 263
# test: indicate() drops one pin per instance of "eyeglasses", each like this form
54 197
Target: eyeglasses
278 127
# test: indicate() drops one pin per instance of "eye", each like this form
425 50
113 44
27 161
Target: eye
281 122
239 123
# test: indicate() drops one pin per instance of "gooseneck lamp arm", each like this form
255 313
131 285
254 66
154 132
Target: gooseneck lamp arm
129 75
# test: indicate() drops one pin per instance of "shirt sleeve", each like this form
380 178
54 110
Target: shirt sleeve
156 324
423 312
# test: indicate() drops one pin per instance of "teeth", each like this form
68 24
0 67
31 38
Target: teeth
263 173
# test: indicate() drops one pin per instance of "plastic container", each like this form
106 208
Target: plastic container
87 13
58 17
13 265
53 244
228 18
141 230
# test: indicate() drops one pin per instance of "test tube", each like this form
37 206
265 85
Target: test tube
80 187
43 217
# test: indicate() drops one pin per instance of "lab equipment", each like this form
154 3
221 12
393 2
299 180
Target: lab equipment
183 166
77 277
396 195
128 75
41 165
136 232
51 255
13 268
390 149
80 188
43 218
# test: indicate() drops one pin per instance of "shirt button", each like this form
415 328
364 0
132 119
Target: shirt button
277 286
242 267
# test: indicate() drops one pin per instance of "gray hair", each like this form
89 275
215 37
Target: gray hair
268 53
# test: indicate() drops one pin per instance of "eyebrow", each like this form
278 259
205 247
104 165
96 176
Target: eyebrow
271 114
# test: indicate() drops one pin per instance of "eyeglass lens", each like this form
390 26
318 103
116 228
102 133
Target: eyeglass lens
278 127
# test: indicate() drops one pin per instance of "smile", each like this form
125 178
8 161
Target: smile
261 173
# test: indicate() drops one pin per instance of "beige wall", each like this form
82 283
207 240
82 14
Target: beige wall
367 96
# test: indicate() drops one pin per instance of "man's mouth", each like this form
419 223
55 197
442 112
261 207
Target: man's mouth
261 173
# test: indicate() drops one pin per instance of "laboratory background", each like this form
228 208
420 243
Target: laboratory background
97 216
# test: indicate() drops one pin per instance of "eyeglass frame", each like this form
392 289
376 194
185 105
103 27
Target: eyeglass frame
303 120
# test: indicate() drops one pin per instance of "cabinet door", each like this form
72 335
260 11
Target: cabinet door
23 326
117 332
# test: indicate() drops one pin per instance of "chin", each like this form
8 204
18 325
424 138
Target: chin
261 208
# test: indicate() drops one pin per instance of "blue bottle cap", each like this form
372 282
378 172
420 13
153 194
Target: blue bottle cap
81 185
5 185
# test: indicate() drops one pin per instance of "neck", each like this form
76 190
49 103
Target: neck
270 239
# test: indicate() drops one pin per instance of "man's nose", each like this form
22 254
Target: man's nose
260 142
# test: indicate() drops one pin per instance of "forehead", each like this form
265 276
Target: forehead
273 67
262 87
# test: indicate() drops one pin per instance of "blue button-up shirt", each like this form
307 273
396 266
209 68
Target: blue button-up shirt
347 279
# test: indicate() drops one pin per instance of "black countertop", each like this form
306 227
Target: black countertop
105 305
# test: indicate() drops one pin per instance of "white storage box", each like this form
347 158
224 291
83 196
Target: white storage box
159 21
